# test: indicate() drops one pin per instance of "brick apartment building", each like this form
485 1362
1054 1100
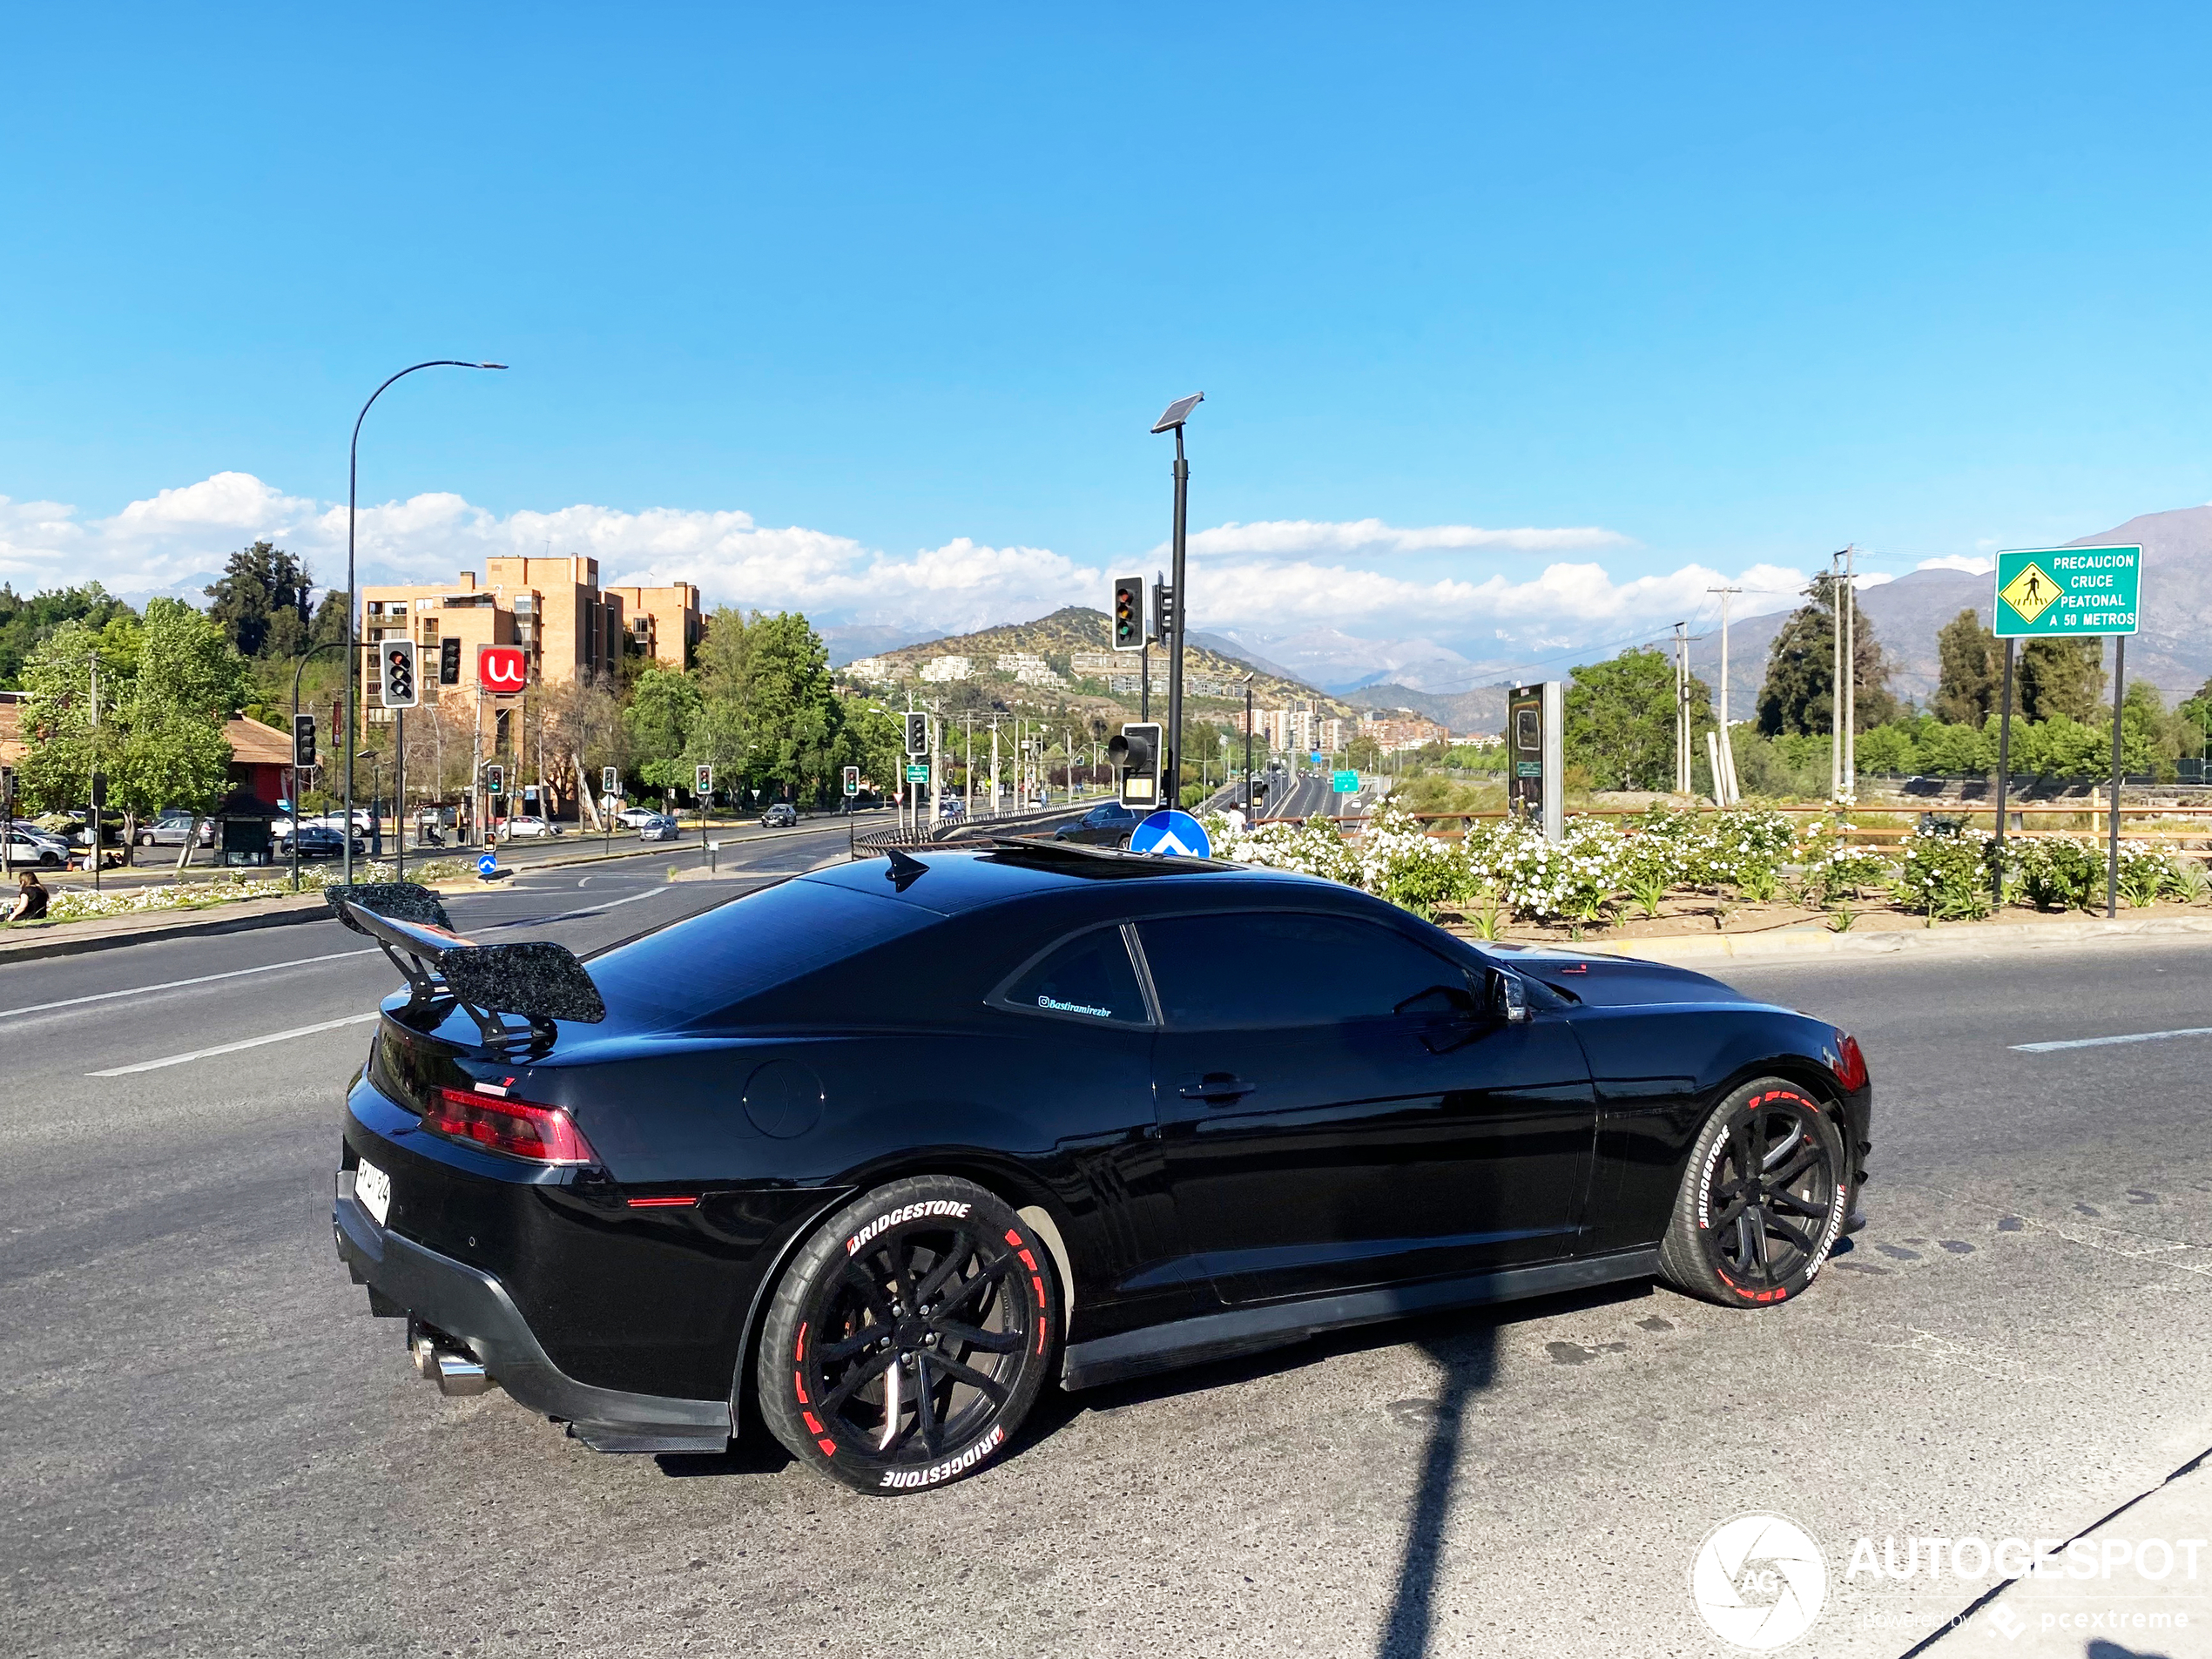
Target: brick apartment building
554 609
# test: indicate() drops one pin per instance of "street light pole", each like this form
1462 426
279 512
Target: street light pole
353 597
1172 770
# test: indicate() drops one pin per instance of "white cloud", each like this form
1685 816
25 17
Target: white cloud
1289 538
1279 577
1959 562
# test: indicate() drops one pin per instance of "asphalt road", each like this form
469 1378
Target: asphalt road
210 1447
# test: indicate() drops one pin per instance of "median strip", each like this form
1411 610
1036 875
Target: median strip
233 1048
2100 1043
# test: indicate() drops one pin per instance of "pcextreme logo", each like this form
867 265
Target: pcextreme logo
1759 1581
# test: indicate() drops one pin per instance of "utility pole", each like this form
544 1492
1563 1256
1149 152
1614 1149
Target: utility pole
1724 786
1251 818
995 765
1682 708
1836 677
1850 670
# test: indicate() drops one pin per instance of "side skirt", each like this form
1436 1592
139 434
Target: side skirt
1216 1336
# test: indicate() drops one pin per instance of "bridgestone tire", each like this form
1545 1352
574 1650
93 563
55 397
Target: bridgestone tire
909 1337
1752 1244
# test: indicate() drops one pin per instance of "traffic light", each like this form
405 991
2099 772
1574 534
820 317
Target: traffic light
303 742
610 780
397 657
450 661
1163 611
702 781
852 780
495 780
1135 754
1129 613
917 735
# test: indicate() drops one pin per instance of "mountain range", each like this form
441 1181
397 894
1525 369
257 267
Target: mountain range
2172 651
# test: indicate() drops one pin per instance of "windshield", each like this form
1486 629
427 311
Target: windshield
707 965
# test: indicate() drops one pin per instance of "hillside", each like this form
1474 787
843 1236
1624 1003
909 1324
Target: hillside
1480 710
1071 658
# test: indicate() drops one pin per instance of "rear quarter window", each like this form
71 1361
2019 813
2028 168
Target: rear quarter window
704 967
1088 978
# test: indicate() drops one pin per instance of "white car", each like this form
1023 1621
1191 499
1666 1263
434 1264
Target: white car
635 816
525 827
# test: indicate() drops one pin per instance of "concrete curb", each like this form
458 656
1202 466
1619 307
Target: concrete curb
290 911
1816 941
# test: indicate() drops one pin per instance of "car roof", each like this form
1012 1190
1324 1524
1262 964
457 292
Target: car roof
953 881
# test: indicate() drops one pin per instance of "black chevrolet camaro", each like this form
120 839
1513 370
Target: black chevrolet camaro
872 1155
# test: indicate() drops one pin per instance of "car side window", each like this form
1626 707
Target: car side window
1264 968
1088 978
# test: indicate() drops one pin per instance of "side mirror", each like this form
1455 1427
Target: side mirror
1508 996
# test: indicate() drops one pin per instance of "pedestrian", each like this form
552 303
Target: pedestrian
30 899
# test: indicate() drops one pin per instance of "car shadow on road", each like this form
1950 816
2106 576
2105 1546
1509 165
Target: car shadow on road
1463 1346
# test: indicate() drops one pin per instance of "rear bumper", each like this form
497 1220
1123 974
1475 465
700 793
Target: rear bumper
474 1307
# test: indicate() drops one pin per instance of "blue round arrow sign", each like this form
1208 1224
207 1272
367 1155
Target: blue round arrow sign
1174 833
488 864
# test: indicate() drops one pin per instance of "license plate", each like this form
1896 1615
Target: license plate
373 1190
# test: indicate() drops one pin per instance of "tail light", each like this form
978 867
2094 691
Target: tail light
1851 1065
542 1133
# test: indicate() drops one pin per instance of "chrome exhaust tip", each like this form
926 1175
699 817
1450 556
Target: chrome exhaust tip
459 1375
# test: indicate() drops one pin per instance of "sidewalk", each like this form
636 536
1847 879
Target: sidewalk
1694 950
2103 1606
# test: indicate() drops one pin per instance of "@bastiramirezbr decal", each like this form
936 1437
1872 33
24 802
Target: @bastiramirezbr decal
1758 1582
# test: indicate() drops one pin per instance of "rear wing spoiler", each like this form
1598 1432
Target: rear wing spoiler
538 981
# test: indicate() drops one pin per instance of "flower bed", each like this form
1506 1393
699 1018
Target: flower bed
79 904
1603 869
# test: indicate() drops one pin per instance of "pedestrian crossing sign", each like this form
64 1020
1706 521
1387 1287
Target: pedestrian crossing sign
2031 592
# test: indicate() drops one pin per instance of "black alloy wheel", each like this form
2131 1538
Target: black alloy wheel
1762 1200
910 1337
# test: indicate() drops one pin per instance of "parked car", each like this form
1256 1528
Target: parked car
658 827
312 833
320 841
780 815
174 829
636 817
1108 824
1299 1108
526 826
28 847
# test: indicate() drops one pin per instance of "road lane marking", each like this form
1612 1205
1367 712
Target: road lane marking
178 984
233 1048
2099 1042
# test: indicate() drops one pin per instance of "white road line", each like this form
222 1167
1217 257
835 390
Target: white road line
233 1048
178 984
2099 1042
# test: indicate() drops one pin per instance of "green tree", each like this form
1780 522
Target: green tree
770 714
25 622
1798 694
166 687
261 601
2060 675
663 704
1973 669
1621 720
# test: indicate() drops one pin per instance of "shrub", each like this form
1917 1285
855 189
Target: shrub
2060 872
1945 875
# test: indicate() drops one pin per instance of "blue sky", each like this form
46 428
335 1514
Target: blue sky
1515 329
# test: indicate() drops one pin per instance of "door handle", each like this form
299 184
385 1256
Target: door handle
1217 1086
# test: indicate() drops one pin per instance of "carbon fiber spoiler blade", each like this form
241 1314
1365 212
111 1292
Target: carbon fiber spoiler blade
538 981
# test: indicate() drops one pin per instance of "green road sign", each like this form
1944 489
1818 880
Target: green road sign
917 774
1345 783
2067 591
